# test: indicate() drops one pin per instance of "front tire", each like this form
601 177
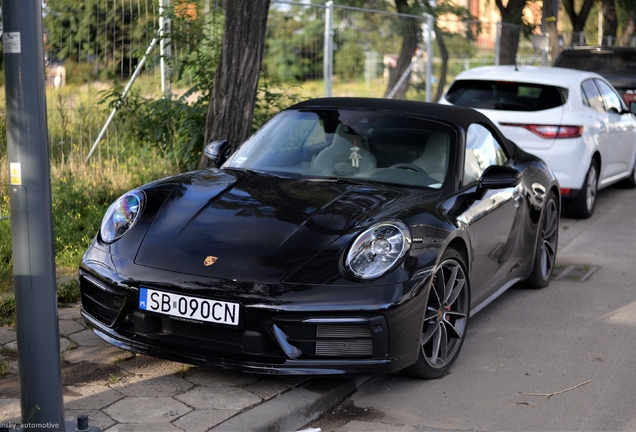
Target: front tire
445 319
582 207
546 248
630 182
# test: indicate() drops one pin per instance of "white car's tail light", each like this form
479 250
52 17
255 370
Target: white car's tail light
550 131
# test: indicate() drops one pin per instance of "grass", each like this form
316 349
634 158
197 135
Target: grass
5 365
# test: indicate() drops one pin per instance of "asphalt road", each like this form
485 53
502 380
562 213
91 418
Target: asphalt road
561 358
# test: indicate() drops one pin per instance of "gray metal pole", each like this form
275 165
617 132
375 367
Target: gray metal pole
498 43
430 20
31 216
328 49
165 48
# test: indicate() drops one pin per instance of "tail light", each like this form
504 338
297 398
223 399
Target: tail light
550 131
629 96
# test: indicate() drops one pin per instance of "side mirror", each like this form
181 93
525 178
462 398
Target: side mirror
218 151
632 107
497 177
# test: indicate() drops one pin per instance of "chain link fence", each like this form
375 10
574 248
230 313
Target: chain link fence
92 49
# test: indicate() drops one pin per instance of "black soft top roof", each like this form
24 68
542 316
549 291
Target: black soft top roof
460 116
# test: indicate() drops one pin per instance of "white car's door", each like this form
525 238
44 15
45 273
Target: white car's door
600 130
622 146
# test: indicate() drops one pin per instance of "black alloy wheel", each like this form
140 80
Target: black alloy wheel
546 248
445 318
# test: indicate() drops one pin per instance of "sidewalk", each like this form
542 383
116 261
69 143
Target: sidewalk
121 391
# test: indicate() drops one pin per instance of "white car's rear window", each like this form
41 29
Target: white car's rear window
506 95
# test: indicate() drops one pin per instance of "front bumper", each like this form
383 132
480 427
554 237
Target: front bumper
295 338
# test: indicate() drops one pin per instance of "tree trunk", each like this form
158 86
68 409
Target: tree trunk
410 33
509 44
610 22
577 20
630 29
236 80
510 29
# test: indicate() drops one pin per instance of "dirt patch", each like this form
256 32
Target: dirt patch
10 386
343 414
77 374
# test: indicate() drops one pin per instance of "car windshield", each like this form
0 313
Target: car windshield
505 95
602 62
357 145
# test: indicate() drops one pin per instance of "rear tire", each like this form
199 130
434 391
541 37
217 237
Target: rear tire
582 207
445 319
546 248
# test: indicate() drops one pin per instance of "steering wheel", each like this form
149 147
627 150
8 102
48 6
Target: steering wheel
408 166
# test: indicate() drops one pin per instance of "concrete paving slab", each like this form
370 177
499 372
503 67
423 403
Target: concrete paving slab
66 344
292 409
267 388
144 410
95 417
163 386
88 338
97 354
201 420
216 377
90 397
13 345
222 398
69 313
68 327
7 334
10 410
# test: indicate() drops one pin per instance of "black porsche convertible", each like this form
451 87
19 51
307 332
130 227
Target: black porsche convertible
346 236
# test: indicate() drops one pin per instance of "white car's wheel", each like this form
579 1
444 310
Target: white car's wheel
582 206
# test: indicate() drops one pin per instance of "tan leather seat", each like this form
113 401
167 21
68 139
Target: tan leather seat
435 158
336 158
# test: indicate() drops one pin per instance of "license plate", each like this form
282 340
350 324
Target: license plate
193 308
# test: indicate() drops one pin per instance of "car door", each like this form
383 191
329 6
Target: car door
491 219
598 125
621 134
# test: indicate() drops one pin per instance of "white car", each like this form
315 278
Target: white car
574 120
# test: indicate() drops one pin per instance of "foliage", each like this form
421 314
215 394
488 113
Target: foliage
294 44
111 28
272 97
68 292
7 309
349 61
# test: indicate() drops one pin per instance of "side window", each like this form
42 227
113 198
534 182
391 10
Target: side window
612 101
482 151
594 98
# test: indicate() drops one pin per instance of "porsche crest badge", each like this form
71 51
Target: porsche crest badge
209 261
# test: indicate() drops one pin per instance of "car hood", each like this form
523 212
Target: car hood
257 227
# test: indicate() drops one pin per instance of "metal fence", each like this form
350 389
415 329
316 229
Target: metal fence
323 49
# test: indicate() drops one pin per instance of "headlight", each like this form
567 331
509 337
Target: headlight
378 249
121 215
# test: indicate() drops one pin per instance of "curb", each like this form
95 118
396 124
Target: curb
295 408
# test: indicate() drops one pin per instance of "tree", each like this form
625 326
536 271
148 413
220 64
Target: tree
411 35
550 23
512 22
610 19
578 20
233 96
628 9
